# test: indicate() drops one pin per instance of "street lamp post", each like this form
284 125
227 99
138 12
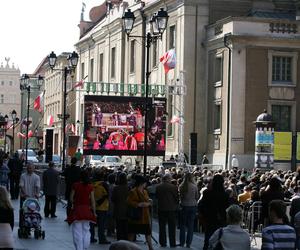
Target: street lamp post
158 24
72 60
26 85
15 120
5 131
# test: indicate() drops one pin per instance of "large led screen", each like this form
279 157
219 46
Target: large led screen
115 125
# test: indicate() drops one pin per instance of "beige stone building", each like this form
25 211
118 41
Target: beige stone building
10 98
261 73
223 96
53 101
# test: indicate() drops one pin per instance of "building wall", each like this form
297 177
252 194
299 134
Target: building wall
10 97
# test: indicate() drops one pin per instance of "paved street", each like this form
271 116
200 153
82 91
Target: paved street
58 235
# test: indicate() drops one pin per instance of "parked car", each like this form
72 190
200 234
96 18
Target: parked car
31 155
94 160
111 161
42 164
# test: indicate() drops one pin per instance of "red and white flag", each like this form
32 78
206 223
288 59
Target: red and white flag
37 105
175 119
71 127
168 60
21 135
30 134
50 120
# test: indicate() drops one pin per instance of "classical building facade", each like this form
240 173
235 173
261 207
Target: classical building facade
10 98
258 63
53 101
252 65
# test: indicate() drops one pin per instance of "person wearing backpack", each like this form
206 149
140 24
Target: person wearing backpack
101 194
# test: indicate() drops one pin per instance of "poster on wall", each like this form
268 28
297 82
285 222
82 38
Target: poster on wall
264 145
283 146
115 125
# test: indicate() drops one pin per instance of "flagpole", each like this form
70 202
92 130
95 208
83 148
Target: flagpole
27 123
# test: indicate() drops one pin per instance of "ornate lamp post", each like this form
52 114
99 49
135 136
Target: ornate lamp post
158 24
25 84
73 61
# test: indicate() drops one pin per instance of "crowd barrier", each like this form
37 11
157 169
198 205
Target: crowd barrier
252 221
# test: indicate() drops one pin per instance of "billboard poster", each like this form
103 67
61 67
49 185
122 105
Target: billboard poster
283 146
264 145
115 125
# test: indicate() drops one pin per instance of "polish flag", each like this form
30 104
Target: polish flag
50 120
71 127
175 119
21 135
30 134
168 60
37 105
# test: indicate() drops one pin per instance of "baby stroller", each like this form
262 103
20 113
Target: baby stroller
30 220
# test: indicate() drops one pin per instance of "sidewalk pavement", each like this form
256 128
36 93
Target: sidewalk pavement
59 236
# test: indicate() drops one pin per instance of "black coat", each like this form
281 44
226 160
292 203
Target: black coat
212 207
50 181
167 197
119 199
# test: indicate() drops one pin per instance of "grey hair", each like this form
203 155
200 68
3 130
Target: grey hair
234 214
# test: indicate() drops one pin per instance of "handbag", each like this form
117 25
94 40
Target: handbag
219 244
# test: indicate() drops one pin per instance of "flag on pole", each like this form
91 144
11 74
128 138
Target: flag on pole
21 135
30 134
50 120
37 105
168 60
70 127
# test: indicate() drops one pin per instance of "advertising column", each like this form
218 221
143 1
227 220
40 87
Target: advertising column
264 141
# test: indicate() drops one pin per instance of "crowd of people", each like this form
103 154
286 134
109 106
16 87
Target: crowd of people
122 204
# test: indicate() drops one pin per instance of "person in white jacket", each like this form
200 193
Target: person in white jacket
234 162
232 237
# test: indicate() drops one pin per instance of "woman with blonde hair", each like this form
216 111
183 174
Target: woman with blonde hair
6 220
189 196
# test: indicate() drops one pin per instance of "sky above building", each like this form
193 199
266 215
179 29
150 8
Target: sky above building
31 29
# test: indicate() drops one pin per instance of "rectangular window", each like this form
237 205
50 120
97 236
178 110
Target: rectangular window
2 83
92 70
113 63
132 56
154 53
218 69
282 116
282 69
217 117
101 67
1 98
10 83
172 39
170 114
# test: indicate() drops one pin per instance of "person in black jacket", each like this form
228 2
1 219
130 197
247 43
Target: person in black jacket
16 167
72 175
213 206
50 183
168 200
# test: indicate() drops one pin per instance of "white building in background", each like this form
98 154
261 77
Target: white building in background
10 96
